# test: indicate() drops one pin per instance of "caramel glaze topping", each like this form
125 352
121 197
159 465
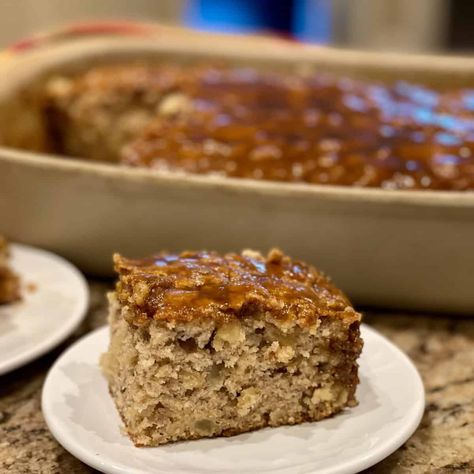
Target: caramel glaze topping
318 129
196 285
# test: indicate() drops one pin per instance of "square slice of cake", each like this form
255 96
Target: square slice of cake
9 281
205 345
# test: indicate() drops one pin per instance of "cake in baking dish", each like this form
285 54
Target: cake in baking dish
246 123
204 345
93 115
9 281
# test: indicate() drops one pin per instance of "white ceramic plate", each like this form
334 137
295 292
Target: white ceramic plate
55 298
81 415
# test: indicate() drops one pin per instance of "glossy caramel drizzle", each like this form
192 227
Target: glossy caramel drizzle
318 129
194 284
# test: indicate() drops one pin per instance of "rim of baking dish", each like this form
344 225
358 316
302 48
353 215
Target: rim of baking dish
31 64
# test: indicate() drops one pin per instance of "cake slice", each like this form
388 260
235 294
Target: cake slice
9 281
206 345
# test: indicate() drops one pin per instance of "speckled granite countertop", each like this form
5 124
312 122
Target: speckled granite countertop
441 347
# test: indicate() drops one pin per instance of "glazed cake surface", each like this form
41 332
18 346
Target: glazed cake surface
9 281
247 123
317 129
206 345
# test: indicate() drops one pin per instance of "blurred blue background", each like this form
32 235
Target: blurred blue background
308 20
384 25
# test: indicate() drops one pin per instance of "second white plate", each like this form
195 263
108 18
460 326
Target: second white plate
54 301
81 415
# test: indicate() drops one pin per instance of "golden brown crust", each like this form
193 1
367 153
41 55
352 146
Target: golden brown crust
130 79
196 285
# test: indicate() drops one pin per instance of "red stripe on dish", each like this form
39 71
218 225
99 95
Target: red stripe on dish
103 28
84 29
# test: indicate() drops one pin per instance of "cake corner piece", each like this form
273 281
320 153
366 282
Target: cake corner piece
206 345
9 280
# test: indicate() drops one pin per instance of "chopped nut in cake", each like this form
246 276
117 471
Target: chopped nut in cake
205 345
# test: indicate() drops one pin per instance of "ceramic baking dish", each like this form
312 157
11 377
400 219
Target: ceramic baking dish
397 249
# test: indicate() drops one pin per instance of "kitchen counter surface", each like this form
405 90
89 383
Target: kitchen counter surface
442 348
